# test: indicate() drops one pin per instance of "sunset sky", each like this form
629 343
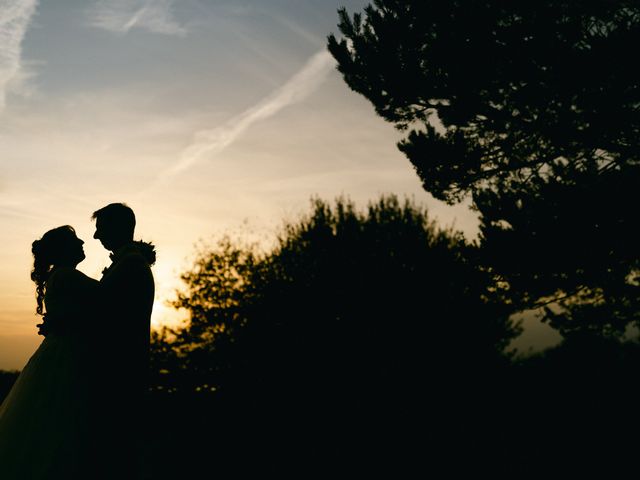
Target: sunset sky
205 116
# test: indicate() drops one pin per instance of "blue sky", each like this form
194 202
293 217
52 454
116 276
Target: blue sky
203 115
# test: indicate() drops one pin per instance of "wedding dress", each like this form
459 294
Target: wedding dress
45 419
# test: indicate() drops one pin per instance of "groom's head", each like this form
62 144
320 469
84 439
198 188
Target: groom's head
115 224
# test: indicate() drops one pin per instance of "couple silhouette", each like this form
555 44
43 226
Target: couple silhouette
77 408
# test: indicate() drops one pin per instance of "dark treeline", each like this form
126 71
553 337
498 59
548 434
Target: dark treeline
376 341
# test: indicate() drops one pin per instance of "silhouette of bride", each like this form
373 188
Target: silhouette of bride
44 421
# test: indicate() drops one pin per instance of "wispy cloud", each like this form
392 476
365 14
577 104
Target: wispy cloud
120 16
15 16
208 143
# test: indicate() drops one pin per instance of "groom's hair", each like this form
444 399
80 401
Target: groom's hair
118 215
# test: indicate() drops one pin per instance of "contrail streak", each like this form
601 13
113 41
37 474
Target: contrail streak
208 143
120 16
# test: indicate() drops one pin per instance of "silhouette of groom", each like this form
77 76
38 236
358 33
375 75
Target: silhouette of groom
126 301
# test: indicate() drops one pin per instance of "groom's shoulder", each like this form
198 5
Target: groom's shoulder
133 259
128 268
137 256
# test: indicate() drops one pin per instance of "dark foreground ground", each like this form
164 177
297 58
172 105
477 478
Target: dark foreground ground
564 414
573 427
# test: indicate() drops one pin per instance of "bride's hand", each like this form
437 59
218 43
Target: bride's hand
46 326
42 328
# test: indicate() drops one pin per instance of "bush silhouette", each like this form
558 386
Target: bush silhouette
352 316
344 295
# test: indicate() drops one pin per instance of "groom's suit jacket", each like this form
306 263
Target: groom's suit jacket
127 292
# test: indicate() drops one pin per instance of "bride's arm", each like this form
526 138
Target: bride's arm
80 292
84 289
84 282
75 295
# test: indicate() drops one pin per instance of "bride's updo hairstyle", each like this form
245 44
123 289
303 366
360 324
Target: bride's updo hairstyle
46 253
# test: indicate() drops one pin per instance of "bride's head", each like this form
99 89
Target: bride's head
57 248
